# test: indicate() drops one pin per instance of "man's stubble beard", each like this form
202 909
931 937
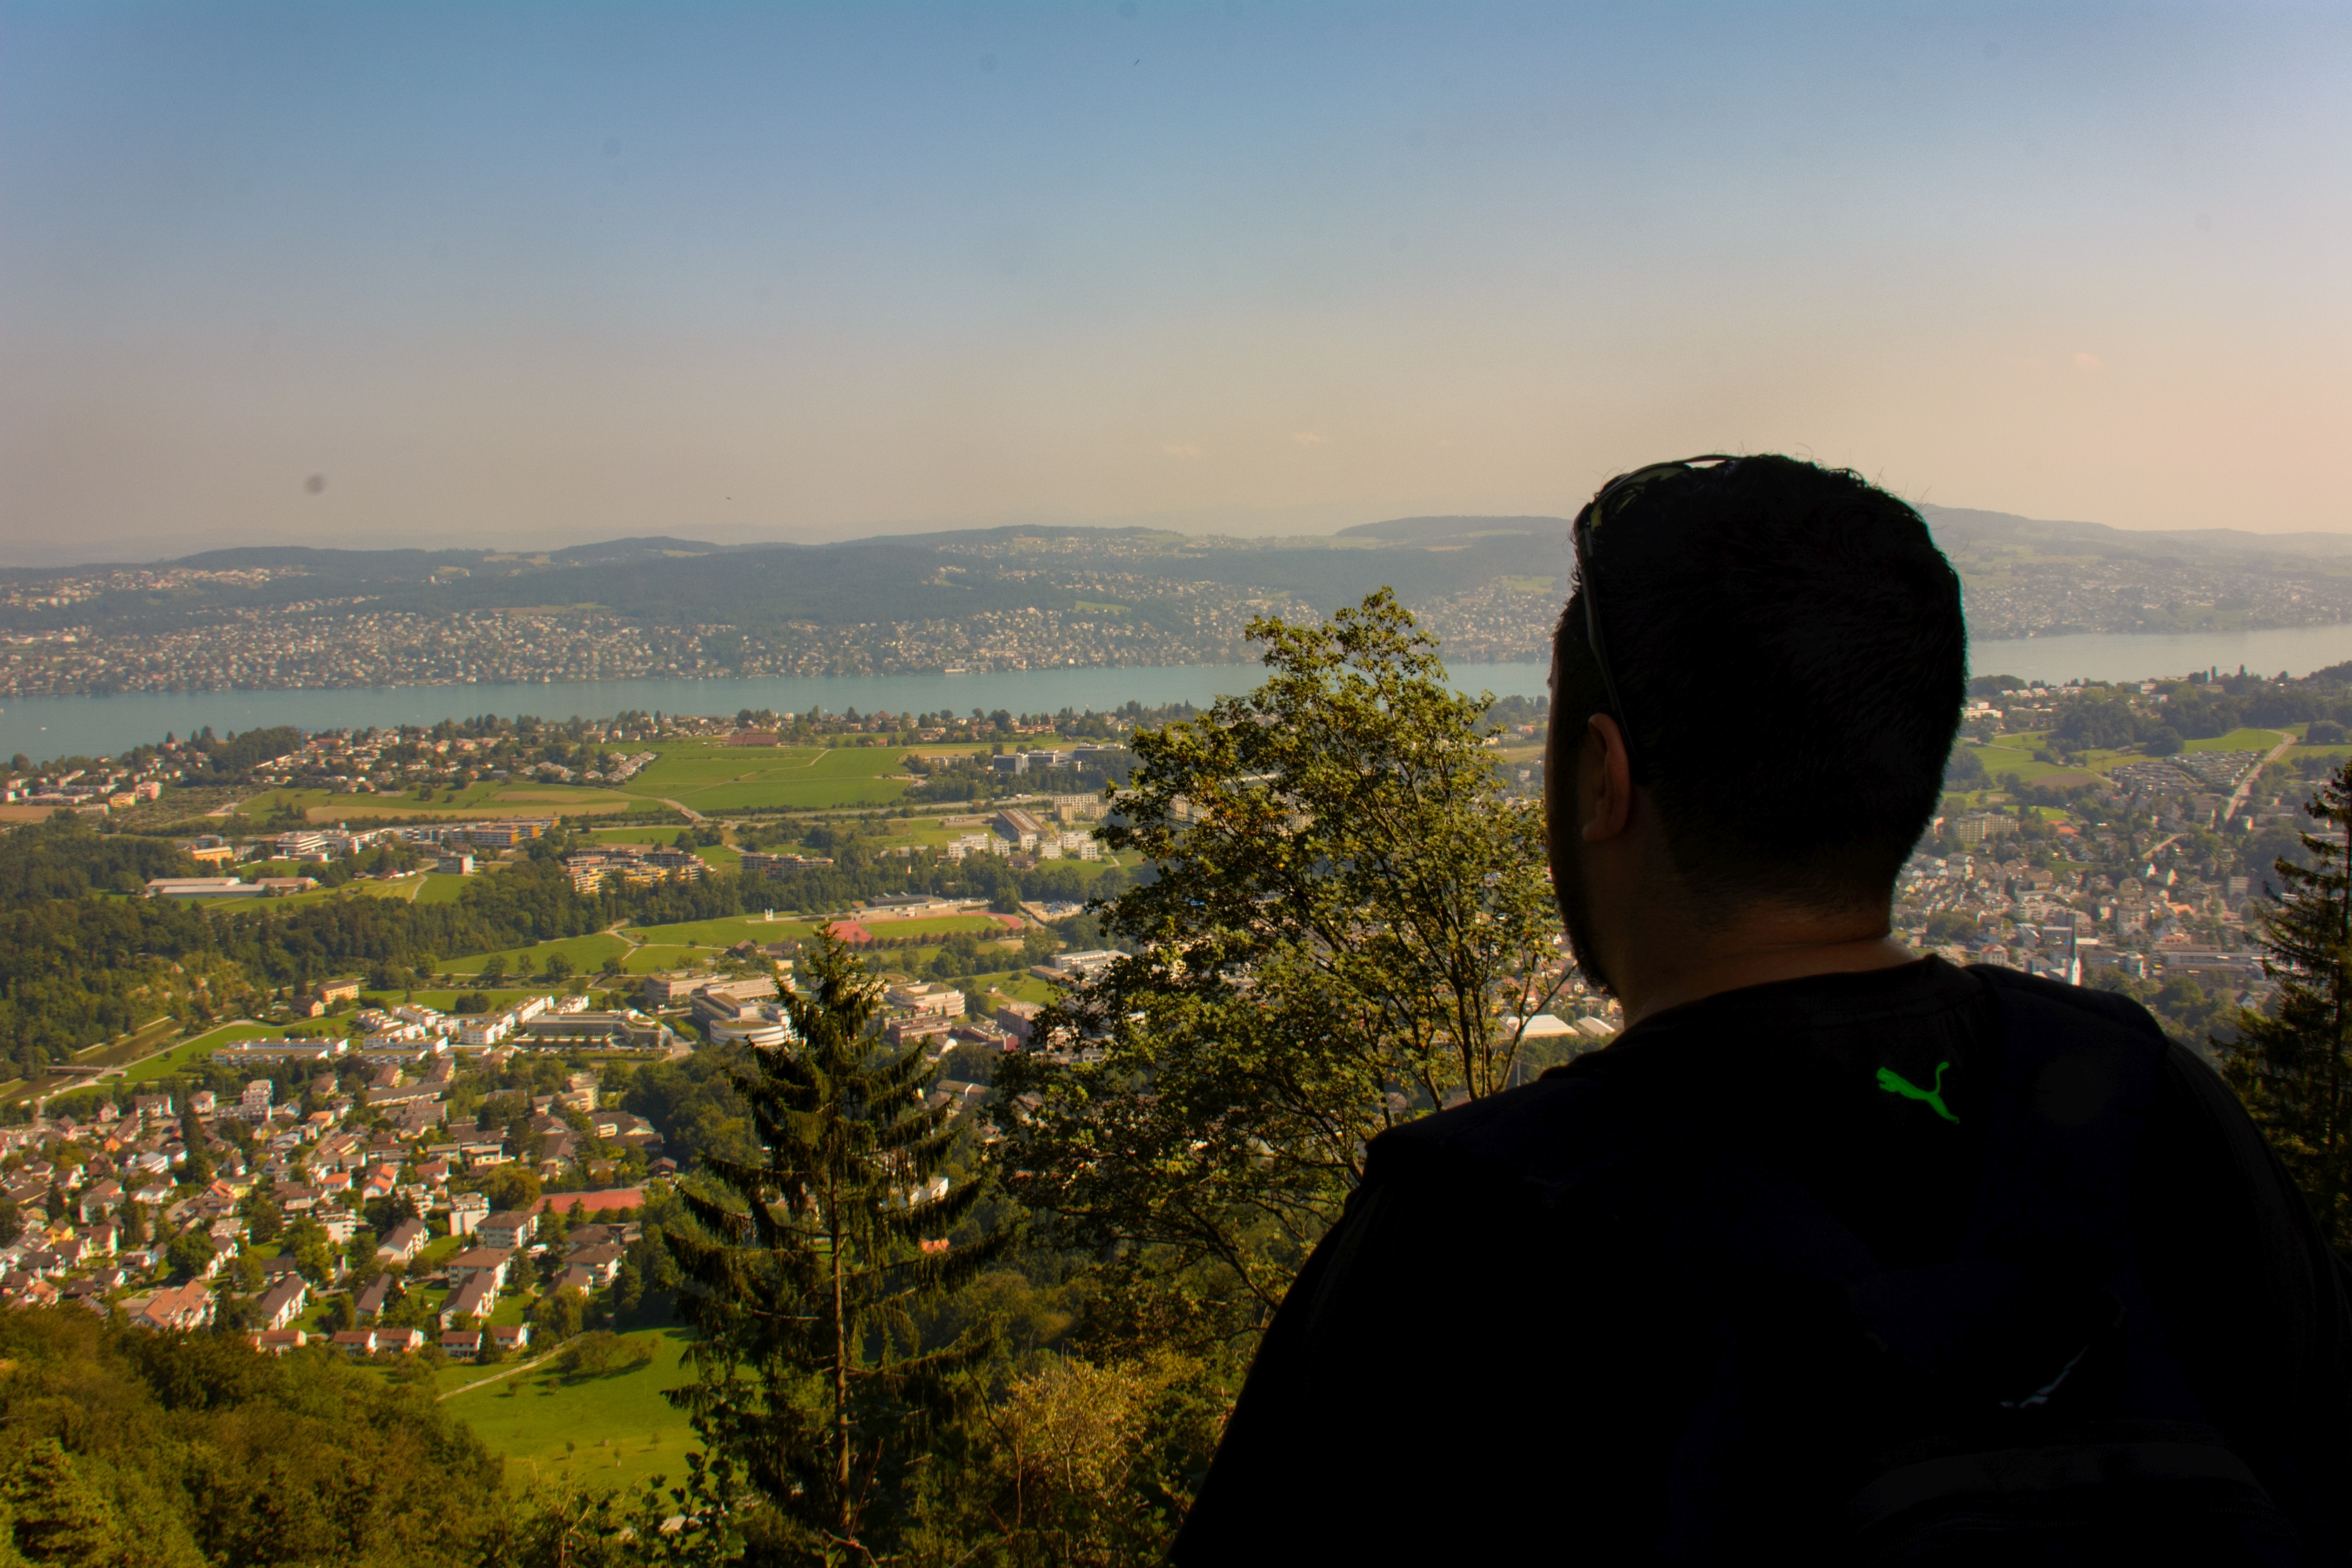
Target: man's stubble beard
1575 902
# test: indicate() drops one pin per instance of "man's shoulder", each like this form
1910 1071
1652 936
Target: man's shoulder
2059 1003
1549 1134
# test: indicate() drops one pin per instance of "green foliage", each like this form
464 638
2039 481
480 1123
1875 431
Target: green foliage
189 1253
1070 1462
66 858
806 1265
2102 719
1346 914
558 1315
511 1187
2294 1068
180 1451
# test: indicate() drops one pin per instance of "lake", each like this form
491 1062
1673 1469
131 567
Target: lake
45 727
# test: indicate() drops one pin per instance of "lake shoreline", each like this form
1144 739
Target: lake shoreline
47 728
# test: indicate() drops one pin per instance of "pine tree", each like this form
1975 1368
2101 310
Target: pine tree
812 1378
2294 1068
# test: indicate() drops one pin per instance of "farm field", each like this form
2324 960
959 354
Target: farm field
488 800
712 779
727 932
551 1427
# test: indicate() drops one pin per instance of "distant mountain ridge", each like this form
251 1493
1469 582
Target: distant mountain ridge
1015 596
1961 527
1956 528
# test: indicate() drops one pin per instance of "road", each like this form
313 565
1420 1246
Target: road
2238 796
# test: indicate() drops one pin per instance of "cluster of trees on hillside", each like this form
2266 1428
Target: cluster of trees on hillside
182 1451
2109 717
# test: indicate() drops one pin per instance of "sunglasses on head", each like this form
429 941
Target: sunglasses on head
1610 499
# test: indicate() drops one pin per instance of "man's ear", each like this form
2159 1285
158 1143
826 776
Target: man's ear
1605 781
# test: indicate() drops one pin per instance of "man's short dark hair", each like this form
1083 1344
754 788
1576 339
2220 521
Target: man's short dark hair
1788 640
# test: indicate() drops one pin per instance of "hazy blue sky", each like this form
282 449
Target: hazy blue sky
537 273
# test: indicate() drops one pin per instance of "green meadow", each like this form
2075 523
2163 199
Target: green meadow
741 778
725 933
440 889
188 1052
610 1429
488 799
2238 740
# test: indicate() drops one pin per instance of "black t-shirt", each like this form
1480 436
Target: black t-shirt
1481 1363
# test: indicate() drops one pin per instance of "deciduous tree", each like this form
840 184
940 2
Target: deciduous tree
1349 926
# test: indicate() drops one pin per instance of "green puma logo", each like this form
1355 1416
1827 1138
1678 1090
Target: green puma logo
1894 1083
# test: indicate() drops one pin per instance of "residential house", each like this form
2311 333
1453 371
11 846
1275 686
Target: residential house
483 1263
101 1198
509 1230
601 1262
188 1306
466 1212
511 1337
278 1341
473 1298
461 1344
372 1298
405 1240
282 1303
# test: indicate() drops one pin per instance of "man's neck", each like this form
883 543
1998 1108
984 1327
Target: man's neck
1685 966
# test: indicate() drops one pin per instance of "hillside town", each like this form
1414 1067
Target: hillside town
336 1197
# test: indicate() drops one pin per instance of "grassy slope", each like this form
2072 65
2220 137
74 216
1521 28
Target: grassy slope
439 889
181 1056
531 1417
